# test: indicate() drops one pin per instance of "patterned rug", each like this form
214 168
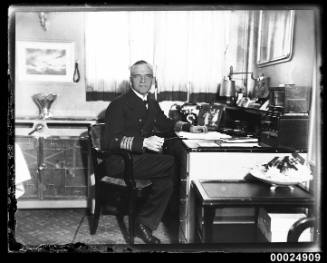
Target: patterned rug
63 226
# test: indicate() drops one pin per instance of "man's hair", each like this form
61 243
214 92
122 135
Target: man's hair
140 62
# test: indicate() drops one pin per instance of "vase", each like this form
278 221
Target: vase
44 102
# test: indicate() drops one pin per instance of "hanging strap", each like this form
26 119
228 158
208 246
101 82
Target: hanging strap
76 76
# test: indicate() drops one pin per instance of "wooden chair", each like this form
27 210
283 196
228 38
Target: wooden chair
298 228
114 196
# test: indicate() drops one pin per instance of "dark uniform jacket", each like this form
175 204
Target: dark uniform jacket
128 122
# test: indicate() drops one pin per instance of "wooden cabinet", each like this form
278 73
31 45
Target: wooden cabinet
64 175
59 168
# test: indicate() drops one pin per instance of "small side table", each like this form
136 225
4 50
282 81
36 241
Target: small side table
212 194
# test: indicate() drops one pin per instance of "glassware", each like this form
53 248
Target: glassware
44 102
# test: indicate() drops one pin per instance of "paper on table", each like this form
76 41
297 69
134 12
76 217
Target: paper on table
241 139
211 135
192 144
207 144
239 144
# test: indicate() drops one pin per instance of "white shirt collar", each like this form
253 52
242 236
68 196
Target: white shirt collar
142 97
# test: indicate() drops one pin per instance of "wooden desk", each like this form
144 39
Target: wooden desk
212 194
221 163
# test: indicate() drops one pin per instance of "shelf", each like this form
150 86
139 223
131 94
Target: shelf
65 118
56 121
53 127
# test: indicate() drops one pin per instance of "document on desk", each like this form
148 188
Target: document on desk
207 144
240 142
226 144
213 139
211 135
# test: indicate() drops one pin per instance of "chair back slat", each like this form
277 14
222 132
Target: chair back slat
96 132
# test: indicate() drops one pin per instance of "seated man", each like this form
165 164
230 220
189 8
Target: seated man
131 121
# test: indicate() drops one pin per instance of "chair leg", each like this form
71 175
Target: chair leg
131 222
131 218
95 218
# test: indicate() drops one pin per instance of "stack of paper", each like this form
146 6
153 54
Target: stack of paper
216 139
211 135
207 144
240 139
240 142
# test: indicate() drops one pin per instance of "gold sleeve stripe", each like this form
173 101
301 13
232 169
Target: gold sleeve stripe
126 143
130 143
122 143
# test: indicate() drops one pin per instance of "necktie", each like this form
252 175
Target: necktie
146 104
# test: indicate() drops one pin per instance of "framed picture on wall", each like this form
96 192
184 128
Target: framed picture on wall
45 61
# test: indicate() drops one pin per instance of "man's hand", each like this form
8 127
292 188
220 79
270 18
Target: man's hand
198 129
153 143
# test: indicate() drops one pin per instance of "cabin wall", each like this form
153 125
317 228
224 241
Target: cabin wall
298 70
71 100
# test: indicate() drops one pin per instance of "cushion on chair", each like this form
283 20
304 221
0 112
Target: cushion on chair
118 181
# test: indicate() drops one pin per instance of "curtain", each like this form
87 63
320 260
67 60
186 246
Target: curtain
190 51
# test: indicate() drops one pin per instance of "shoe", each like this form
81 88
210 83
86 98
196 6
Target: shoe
145 234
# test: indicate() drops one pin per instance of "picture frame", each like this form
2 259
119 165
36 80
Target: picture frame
45 61
210 115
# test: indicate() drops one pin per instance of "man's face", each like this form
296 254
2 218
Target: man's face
141 78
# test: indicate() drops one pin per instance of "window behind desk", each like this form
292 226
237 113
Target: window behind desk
190 51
